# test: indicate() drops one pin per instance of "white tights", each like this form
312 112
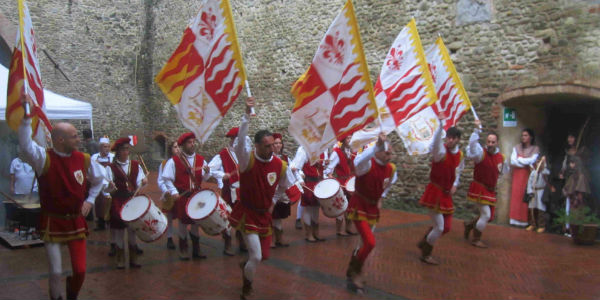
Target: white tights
484 216
438 227
254 255
310 215
299 211
169 224
278 223
120 236
55 270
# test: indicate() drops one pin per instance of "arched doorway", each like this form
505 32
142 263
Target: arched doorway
552 111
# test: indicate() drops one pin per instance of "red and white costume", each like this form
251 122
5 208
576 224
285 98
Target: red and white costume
446 166
312 175
373 180
225 162
61 178
341 166
521 160
259 180
488 168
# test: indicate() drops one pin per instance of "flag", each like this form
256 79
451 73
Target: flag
24 78
453 99
334 97
404 86
417 132
133 140
205 74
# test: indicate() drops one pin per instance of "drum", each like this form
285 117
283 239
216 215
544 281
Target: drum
349 186
331 197
146 219
209 211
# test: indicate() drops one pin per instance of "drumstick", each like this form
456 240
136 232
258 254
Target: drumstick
305 187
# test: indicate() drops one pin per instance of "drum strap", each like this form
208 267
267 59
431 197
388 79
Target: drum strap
188 169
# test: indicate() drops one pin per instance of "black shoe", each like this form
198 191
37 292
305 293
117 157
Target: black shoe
170 244
138 250
298 224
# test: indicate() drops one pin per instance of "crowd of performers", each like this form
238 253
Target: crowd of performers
258 182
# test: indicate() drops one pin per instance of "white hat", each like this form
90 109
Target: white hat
104 140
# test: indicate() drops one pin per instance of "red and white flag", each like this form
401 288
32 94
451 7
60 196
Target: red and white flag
452 97
205 74
404 86
334 97
24 78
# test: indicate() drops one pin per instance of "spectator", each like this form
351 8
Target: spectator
522 158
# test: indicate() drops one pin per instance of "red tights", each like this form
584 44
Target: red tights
368 240
78 261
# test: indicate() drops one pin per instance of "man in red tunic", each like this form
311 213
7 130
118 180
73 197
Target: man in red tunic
127 176
62 172
374 176
224 167
261 173
489 165
183 175
341 167
446 165
310 204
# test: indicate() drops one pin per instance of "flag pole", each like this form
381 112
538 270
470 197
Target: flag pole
252 112
26 106
475 115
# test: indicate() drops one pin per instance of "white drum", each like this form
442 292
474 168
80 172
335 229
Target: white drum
145 218
349 186
331 197
209 211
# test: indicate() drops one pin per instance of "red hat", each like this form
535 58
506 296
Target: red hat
120 142
233 132
277 135
184 137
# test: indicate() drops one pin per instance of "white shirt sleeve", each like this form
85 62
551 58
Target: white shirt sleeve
387 188
474 150
242 151
160 180
528 161
362 162
513 159
168 175
34 154
459 169
141 175
334 160
216 169
95 175
438 151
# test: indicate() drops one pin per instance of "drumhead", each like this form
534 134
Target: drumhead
201 204
350 184
327 188
135 208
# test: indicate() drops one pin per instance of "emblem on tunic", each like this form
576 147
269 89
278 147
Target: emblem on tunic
78 176
271 177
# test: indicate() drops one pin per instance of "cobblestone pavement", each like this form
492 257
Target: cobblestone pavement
517 265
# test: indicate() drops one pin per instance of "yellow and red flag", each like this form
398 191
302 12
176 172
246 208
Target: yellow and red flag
24 78
205 74
334 97
452 97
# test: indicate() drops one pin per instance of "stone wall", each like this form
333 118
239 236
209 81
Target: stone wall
111 51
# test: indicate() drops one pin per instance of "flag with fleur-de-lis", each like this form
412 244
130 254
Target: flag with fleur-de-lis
205 74
334 97
453 99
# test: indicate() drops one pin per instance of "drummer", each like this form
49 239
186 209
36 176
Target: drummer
261 173
282 209
183 175
310 204
341 167
224 167
172 149
375 174
102 204
126 178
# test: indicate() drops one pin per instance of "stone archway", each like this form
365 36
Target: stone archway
551 110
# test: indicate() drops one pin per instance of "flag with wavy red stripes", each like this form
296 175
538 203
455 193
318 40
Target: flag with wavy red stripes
404 86
205 74
24 78
452 97
334 97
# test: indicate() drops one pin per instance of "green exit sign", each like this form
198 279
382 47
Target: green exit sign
509 117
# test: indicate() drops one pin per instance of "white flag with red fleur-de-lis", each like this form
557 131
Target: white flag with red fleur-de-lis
334 97
404 87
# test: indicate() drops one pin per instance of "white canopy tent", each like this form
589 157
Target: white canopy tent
57 107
